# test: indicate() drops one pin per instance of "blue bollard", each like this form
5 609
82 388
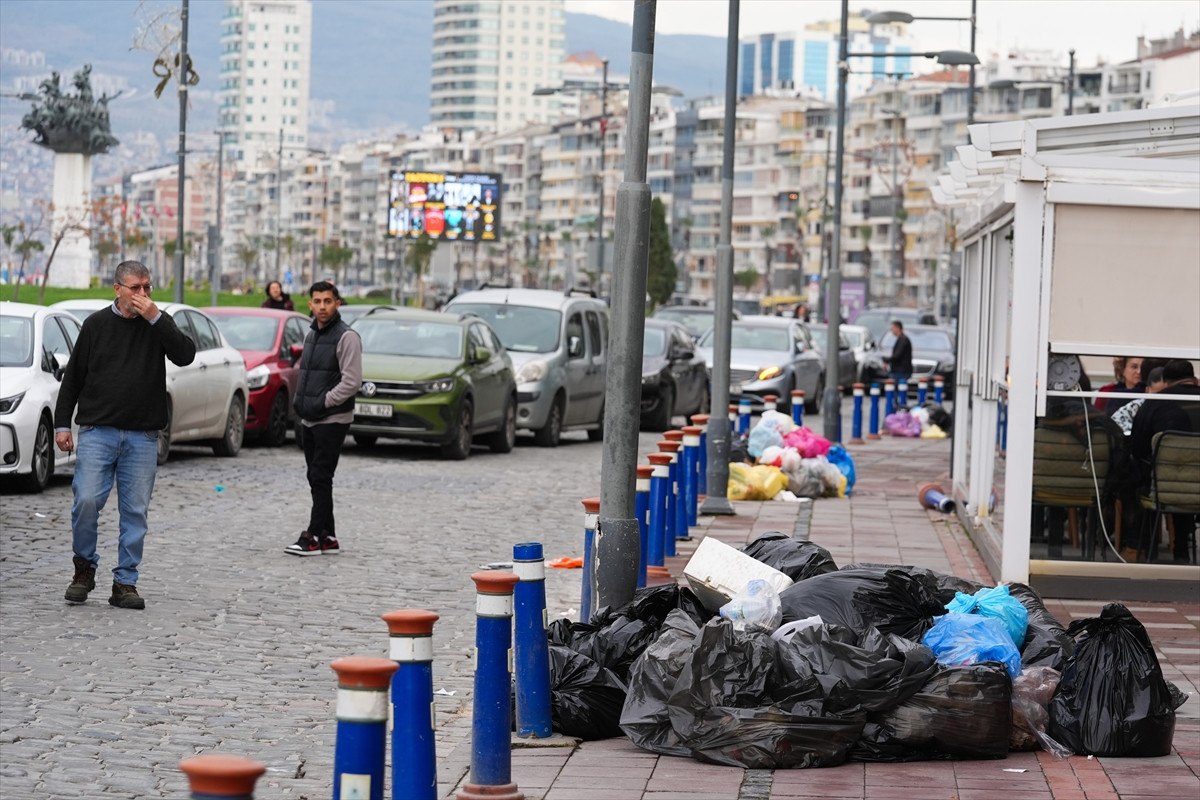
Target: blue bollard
701 421
214 776
743 417
362 712
922 390
660 484
676 521
414 757
798 406
532 648
856 422
939 389
691 478
491 754
1003 426
901 394
873 429
889 396
591 516
642 506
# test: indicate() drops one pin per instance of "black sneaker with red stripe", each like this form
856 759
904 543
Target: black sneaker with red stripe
306 545
329 545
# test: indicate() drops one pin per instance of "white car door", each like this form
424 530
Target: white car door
68 326
188 387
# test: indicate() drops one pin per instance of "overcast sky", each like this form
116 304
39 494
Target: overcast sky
1106 29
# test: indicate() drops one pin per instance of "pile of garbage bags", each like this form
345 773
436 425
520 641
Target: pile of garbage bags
869 662
930 421
791 461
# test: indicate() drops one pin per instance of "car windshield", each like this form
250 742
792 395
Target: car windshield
247 333
522 329
855 338
406 337
16 342
819 334
921 340
697 321
654 343
755 337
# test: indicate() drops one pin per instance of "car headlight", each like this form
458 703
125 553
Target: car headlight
531 372
257 378
9 404
439 386
766 373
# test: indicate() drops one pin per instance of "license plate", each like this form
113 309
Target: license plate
372 410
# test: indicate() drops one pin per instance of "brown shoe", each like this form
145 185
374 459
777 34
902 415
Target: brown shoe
125 595
83 582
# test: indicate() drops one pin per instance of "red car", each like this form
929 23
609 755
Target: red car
270 341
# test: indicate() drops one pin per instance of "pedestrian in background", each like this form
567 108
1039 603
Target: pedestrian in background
277 298
330 375
118 379
900 363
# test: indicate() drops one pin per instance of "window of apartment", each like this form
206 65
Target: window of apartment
249 101
250 81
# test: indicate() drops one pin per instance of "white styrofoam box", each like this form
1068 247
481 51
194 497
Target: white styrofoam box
716 572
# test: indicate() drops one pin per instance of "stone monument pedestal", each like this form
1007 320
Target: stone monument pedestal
72 265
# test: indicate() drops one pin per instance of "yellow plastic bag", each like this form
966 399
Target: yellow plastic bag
933 432
760 482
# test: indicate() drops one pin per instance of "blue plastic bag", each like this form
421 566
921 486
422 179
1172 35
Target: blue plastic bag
841 459
762 437
997 603
965 639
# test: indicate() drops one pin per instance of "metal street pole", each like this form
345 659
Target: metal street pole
181 198
971 73
617 533
831 406
603 145
279 211
215 278
1071 83
716 501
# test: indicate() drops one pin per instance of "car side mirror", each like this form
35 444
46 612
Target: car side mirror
480 355
58 364
575 346
295 351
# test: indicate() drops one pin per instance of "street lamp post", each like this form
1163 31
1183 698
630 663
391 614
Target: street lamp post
603 142
831 405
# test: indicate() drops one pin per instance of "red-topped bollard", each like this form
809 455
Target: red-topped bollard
692 437
213 775
856 419
932 496
770 403
491 715
660 485
591 518
414 756
362 713
798 406
701 422
676 521
642 508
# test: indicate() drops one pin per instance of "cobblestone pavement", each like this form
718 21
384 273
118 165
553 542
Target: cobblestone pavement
232 652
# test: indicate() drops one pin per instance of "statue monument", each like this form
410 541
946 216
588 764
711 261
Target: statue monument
76 127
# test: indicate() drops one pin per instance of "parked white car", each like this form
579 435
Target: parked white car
35 345
207 398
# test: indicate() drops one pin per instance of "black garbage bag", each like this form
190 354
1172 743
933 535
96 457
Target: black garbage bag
1046 641
939 416
1112 699
585 698
734 698
614 638
943 586
961 712
795 558
889 599
862 674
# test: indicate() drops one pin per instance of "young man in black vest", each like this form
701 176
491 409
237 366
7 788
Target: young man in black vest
330 375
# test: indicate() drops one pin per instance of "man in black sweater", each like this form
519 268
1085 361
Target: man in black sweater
900 362
118 379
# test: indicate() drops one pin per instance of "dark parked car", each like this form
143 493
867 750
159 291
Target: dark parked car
847 362
674 375
436 378
771 355
270 341
933 354
697 319
879 320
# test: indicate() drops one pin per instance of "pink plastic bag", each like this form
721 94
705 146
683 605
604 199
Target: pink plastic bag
902 423
807 443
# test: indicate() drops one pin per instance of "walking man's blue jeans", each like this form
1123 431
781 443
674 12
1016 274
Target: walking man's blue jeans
129 459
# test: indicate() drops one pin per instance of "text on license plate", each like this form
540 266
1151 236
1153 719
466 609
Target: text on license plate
372 410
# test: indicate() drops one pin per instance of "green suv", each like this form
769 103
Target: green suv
434 378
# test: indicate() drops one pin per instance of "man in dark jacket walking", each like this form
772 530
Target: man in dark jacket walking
118 379
900 363
330 375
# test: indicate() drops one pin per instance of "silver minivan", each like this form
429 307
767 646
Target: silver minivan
558 342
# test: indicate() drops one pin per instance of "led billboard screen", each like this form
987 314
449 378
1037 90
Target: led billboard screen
445 205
